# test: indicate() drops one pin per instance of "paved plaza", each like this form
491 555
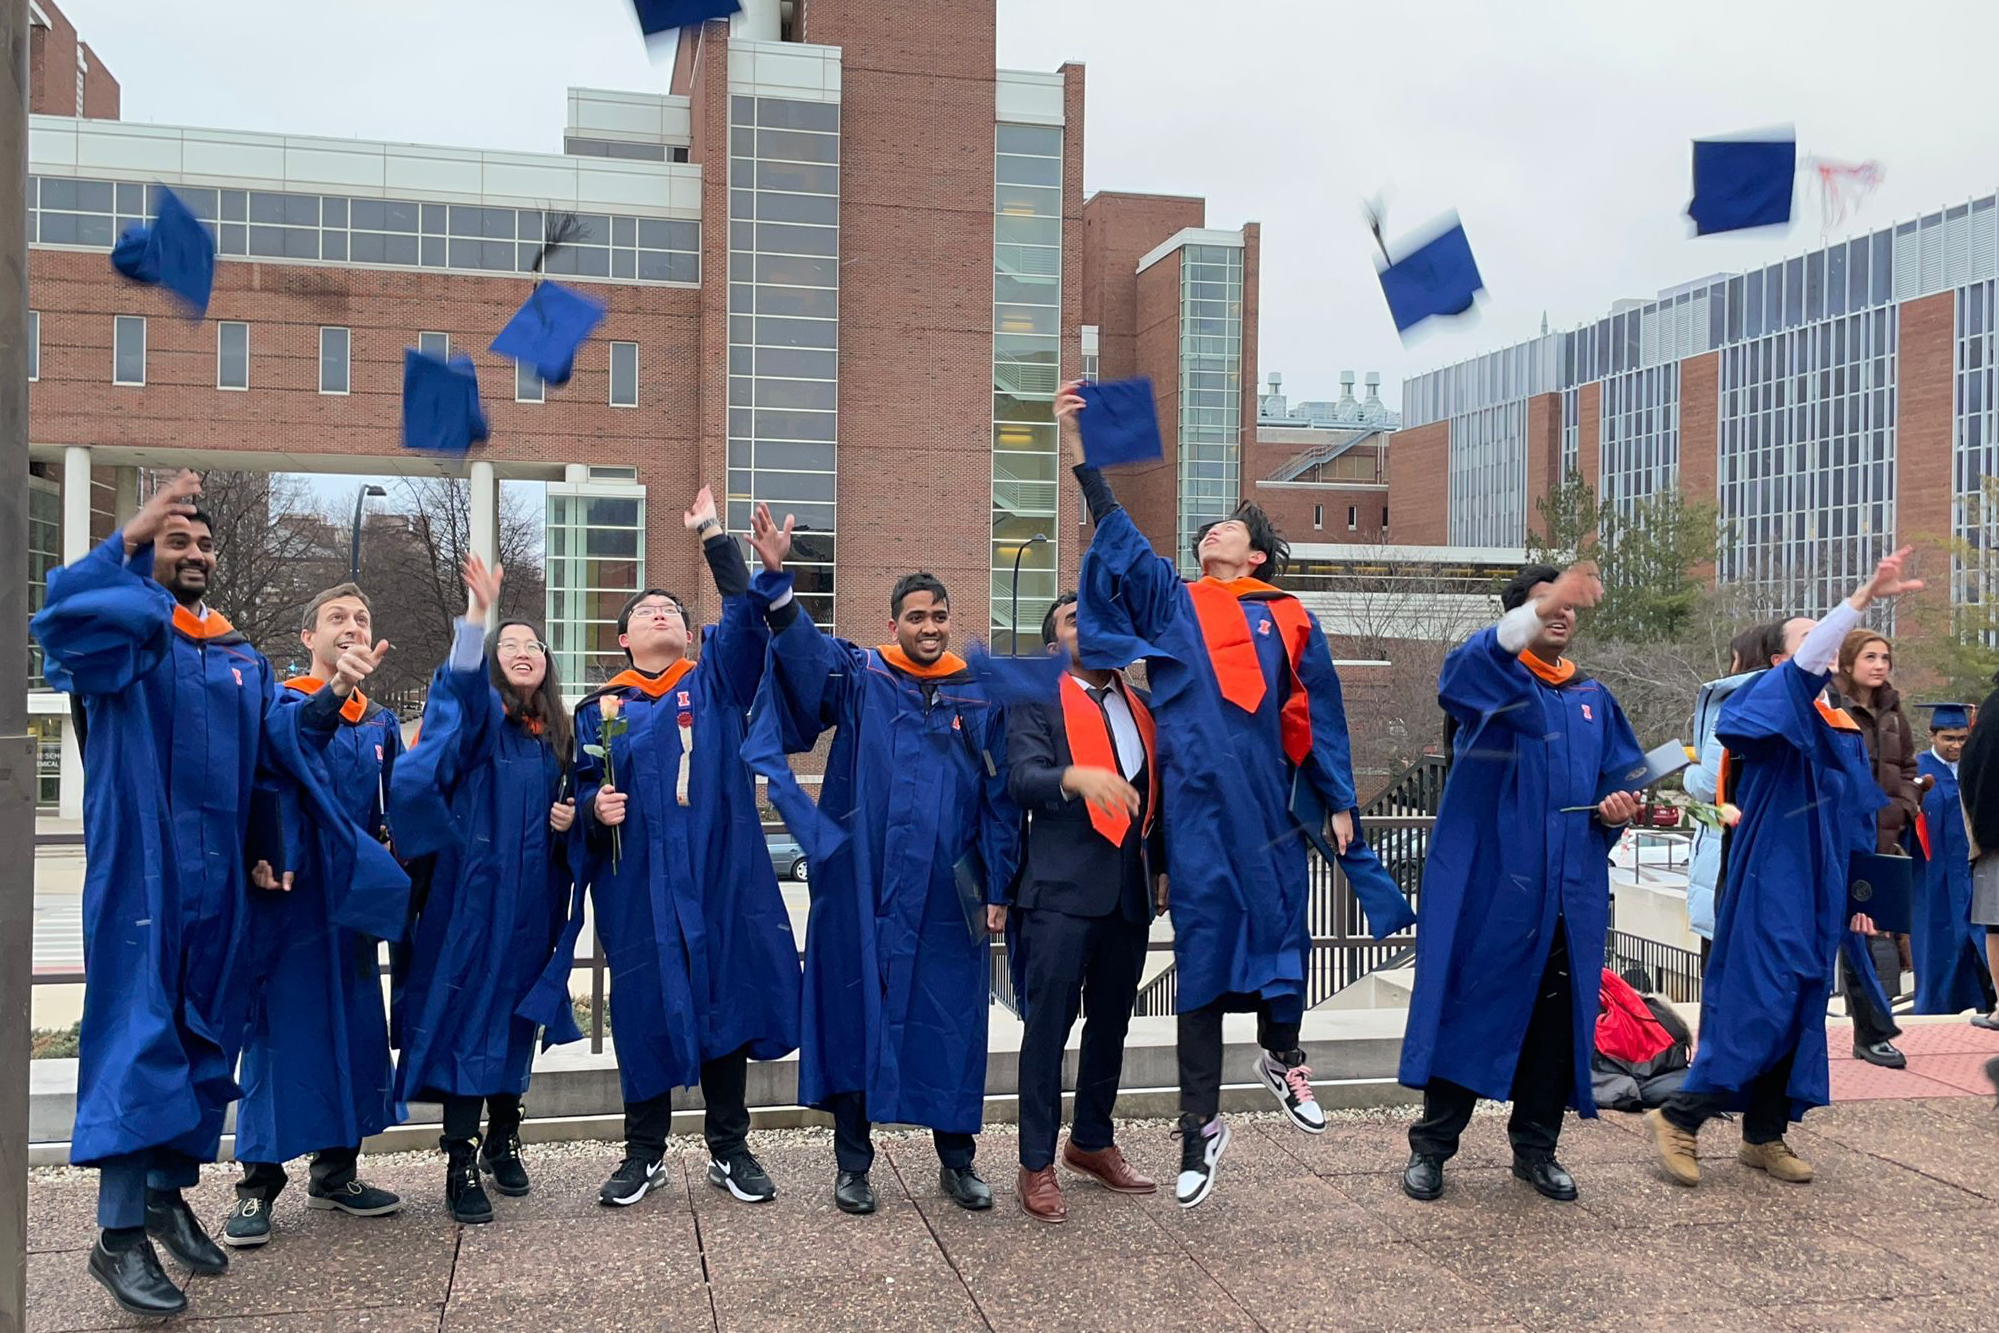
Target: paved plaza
1898 1232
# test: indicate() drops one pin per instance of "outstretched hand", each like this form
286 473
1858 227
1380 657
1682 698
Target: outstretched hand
1069 407
771 542
1578 587
175 499
356 664
701 514
482 587
1888 580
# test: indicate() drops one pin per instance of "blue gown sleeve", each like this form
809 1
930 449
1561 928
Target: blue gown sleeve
105 622
1621 754
732 659
1482 682
1330 763
459 715
813 676
588 775
1129 600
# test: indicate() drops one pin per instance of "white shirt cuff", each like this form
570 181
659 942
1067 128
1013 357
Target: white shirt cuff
1516 629
1816 655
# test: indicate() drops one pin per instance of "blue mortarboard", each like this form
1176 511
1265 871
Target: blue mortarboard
175 252
1742 183
1439 277
1120 423
1945 716
548 328
441 411
657 16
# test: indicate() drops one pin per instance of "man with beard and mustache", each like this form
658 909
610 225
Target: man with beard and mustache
179 819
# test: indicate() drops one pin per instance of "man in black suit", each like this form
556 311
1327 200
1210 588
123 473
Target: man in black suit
1092 878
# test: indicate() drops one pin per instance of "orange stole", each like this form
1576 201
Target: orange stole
650 686
1836 718
1225 628
949 664
1558 674
353 710
196 628
1092 746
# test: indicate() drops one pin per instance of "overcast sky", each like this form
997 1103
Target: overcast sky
1558 129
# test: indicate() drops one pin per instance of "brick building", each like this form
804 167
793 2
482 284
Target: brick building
846 261
1831 405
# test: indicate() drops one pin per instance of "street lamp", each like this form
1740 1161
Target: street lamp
354 551
1014 616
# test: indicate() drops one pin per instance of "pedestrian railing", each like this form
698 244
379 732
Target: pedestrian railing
1670 971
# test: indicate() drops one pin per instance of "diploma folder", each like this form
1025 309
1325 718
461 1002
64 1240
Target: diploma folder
1661 762
969 873
1878 887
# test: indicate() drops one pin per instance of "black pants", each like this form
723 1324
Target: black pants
1543 1075
1764 1118
854 1144
503 1116
725 1120
1074 964
1200 1051
332 1168
1870 1024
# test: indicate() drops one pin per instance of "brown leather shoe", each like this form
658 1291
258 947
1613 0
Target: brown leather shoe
1040 1196
1108 1168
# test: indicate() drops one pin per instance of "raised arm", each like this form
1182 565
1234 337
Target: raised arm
732 657
1129 596
813 675
1483 680
459 715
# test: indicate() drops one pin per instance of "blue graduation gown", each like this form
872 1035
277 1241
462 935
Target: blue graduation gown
703 961
316 1071
896 988
1240 880
1504 864
474 790
1808 796
173 716
1949 951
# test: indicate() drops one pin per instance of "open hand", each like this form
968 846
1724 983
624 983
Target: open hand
1577 587
1888 580
1069 406
1101 788
175 499
701 514
771 542
482 587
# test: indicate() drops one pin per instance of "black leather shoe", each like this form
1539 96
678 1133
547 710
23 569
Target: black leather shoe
1423 1178
853 1194
172 1223
1881 1053
965 1188
1546 1175
133 1276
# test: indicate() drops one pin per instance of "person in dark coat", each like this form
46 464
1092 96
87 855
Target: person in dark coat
1086 774
1865 660
1978 781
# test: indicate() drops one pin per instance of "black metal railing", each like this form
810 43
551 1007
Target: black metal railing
1670 971
1416 789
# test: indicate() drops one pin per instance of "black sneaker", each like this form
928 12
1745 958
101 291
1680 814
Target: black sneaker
462 1190
742 1175
1201 1149
501 1159
249 1224
632 1180
354 1198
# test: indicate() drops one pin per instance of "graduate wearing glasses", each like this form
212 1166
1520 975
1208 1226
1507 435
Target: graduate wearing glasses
704 967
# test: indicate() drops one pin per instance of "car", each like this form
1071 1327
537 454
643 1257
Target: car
787 858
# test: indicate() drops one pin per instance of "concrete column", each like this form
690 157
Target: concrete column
486 517
757 21
75 503
69 802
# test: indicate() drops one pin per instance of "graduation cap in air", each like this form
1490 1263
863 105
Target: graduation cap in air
1120 423
441 411
1945 717
548 329
175 251
1438 277
1743 182
658 16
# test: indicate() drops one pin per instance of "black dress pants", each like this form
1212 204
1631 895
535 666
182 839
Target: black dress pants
1542 1077
1870 1024
854 1144
725 1119
1074 964
1764 1118
332 1168
461 1116
1199 1041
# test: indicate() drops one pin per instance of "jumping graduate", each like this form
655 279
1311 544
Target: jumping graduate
913 844
1516 894
316 1071
1948 951
483 789
704 967
178 823
1799 771
1247 700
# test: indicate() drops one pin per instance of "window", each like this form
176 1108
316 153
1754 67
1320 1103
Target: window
232 356
128 349
335 346
34 345
1318 516
1384 518
434 344
528 385
624 374
1353 517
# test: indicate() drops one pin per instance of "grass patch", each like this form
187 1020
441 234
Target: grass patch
54 1043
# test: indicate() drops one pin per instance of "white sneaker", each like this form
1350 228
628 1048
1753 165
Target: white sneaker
1291 1085
1201 1149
